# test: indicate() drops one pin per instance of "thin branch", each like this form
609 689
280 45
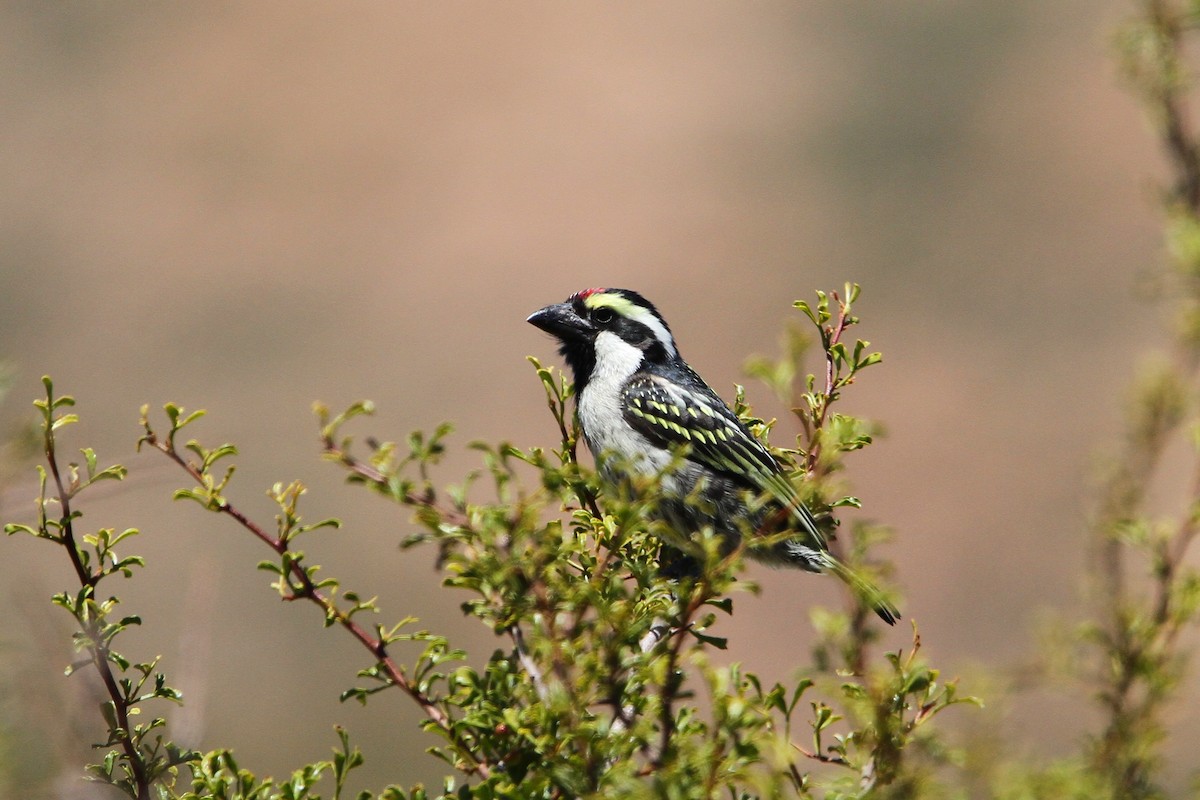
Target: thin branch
1139 641
1171 556
822 757
701 593
304 587
1177 135
830 335
99 649
531 666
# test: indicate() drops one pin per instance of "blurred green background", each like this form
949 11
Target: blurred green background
248 207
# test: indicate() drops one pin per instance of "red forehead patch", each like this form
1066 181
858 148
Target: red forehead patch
586 293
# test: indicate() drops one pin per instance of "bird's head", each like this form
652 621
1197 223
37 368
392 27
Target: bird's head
602 324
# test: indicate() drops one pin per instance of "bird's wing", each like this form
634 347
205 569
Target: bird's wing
670 414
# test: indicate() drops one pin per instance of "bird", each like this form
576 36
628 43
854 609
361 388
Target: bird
641 407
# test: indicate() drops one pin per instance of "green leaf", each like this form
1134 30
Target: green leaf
719 642
723 603
65 419
801 687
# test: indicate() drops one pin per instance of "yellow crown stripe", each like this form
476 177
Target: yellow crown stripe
631 310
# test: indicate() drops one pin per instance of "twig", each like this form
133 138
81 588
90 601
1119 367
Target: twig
1181 144
830 336
531 666
822 757
304 587
670 688
1156 70
99 650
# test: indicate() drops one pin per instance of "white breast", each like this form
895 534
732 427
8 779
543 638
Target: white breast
604 425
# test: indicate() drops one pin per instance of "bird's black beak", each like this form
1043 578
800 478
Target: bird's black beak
561 320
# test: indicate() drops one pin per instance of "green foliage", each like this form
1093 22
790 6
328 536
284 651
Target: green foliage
605 684
1128 656
136 754
606 681
217 776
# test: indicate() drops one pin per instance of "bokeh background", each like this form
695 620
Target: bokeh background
247 207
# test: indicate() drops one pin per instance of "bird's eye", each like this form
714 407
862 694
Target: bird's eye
603 315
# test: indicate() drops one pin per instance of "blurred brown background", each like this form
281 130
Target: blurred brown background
248 207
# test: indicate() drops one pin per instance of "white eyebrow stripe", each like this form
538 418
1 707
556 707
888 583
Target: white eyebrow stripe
652 322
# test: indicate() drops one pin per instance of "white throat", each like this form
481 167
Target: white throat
604 425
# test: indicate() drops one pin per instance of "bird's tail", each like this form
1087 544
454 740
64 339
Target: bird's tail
866 591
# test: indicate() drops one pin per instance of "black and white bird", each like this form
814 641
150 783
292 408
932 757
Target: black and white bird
639 402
